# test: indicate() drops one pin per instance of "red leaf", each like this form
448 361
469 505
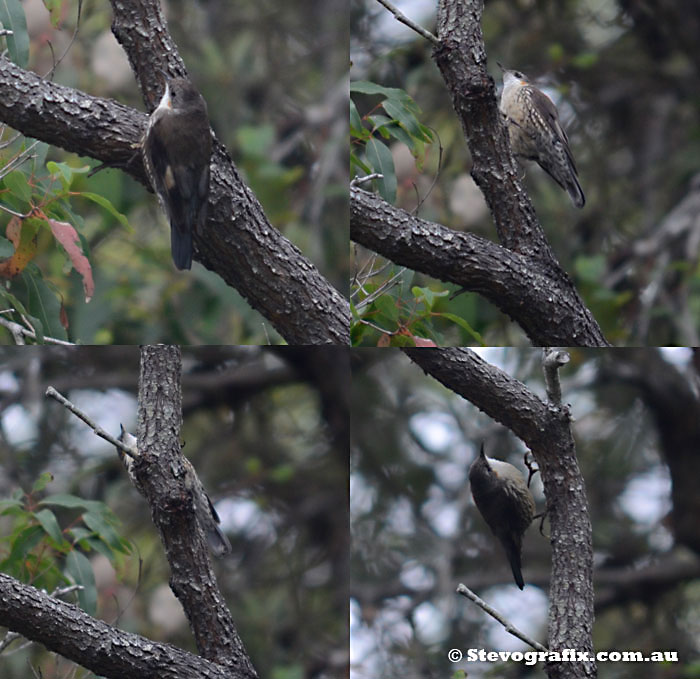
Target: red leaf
67 236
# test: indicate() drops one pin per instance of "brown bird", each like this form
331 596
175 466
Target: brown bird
207 518
504 500
536 133
177 151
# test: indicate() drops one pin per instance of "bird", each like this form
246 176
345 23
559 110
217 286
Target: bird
176 150
536 133
506 504
207 517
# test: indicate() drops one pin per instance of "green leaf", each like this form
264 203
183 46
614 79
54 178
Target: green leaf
13 301
60 170
79 568
356 333
13 19
10 505
54 7
95 521
107 205
356 127
17 182
428 295
24 542
100 547
43 481
79 533
428 134
353 311
463 324
401 135
381 160
404 117
380 123
44 305
48 522
388 310
355 162
39 151
366 87
401 340
71 502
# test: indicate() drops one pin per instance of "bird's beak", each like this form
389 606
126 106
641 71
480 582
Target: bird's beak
166 96
166 100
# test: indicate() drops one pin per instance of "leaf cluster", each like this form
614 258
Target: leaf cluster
48 538
371 132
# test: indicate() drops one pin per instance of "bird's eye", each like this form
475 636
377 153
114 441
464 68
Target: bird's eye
518 74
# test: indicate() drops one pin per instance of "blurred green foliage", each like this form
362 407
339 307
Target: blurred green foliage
36 549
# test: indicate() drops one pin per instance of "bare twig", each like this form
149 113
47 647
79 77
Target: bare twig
356 181
552 360
12 212
50 73
509 627
52 393
19 332
413 26
433 184
382 289
60 591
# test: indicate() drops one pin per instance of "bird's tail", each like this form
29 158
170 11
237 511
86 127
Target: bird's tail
218 542
181 247
575 192
513 554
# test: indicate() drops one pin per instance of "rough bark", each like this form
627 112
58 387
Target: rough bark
106 650
545 428
162 476
549 312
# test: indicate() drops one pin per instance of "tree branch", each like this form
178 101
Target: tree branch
548 309
411 24
94 644
508 626
462 62
545 428
52 393
552 360
162 476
